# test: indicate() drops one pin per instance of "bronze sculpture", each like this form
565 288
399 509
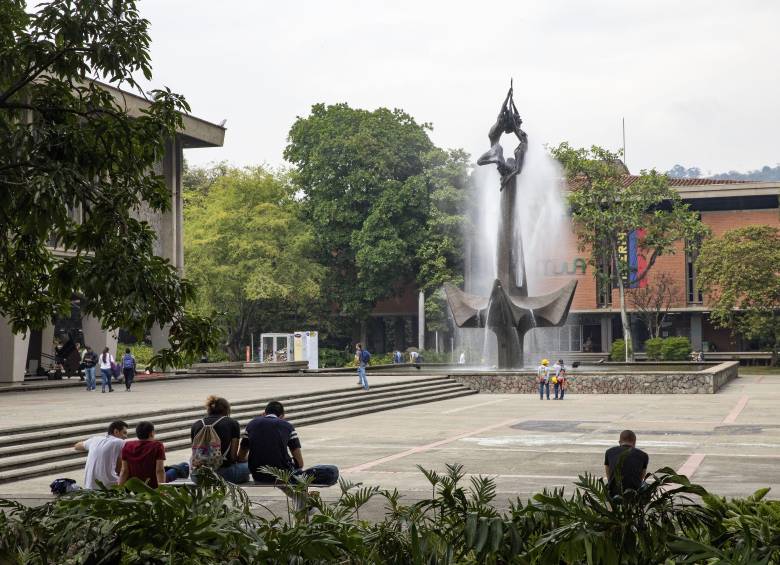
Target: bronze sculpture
509 312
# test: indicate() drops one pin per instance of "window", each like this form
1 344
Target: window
694 294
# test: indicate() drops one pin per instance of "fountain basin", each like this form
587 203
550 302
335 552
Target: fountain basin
621 378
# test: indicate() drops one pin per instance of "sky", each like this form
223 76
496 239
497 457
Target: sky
697 82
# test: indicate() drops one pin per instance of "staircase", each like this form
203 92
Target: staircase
35 451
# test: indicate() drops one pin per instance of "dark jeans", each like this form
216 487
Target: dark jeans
178 471
557 387
544 387
129 373
563 391
105 379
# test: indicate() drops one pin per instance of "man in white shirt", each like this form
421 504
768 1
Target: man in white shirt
104 456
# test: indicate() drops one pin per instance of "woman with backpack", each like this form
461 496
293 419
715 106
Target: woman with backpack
106 362
215 441
128 368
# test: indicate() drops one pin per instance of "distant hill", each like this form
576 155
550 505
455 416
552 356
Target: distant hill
765 173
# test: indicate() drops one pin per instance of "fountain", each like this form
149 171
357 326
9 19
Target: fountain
509 311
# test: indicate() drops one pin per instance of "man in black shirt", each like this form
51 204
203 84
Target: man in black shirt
271 441
625 465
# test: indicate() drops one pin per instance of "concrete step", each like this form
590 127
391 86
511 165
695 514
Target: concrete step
175 423
57 460
12 436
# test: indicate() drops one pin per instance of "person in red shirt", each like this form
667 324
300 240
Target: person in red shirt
143 458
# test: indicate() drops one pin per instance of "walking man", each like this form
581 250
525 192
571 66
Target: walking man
90 361
625 465
104 455
363 358
128 368
543 378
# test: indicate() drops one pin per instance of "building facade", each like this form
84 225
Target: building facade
594 320
24 354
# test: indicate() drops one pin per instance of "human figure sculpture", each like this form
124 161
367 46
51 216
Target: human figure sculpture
509 312
508 121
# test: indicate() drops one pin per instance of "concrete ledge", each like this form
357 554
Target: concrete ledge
637 381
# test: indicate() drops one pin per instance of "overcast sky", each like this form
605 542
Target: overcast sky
698 81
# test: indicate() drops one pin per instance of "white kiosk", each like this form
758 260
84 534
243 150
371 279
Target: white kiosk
297 346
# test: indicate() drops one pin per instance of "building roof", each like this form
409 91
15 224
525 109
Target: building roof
195 132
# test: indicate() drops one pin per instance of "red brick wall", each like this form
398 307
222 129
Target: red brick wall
673 265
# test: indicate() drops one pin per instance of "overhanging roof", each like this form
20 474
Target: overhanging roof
195 132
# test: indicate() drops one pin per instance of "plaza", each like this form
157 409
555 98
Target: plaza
727 442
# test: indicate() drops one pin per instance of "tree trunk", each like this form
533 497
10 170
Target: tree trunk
623 313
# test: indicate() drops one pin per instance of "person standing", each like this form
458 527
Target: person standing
104 455
363 358
143 458
624 465
90 360
106 362
462 358
543 379
562 379
559 378
128 368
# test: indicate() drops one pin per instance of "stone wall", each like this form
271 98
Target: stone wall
707 381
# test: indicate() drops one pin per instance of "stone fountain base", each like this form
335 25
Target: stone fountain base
633 380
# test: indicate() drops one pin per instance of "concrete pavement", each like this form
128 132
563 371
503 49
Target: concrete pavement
728 442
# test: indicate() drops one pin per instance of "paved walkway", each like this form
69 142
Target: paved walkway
729 442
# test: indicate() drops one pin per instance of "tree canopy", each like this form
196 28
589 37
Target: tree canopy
383 202
607 205
248 251
739 273
74 166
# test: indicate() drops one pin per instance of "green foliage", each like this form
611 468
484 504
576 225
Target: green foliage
618 351
143 353
738 272
246 247
667 520
69 147
384 204
606 209
653 348
334 357
676 349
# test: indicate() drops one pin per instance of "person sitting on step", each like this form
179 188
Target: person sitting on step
271 441
229 432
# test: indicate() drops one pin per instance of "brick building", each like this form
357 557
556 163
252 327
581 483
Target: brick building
595 316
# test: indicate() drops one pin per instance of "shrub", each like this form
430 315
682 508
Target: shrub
653 347
676 349
331 357
666 520
141 351
618 351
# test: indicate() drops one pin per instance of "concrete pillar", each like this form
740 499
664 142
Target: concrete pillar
13 354
606 333
160 337
97 337
421 321
696 331
47 344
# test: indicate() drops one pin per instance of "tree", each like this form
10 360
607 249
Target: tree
739 274
653 302
248 251
66 144
608 205
382 201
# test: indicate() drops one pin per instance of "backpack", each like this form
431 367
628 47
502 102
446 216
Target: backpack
365 357
207 447
128 362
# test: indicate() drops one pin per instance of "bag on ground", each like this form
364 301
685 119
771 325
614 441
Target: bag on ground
207 448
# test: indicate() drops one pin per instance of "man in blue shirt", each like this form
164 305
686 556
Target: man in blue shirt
363 356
